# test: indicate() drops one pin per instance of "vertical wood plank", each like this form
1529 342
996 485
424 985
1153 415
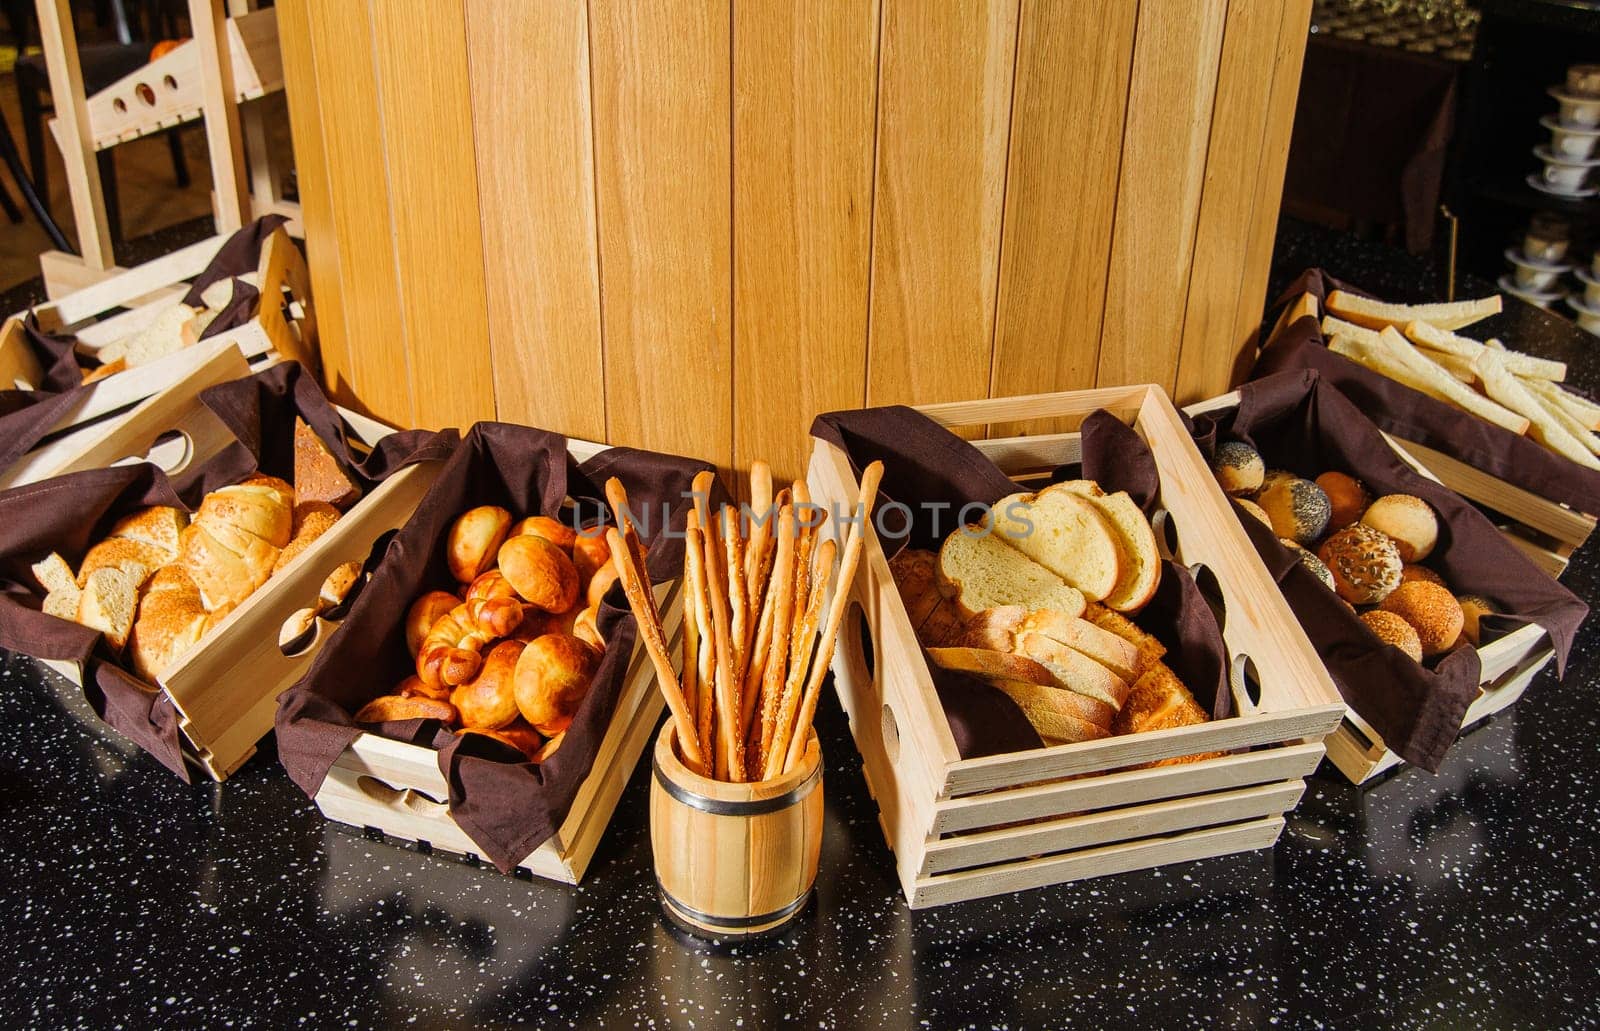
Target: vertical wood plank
661 112
220 108
59 41
804 95
1292 37
1177 44
1244 90
1073 63
316 205
534 148
945 77
426 113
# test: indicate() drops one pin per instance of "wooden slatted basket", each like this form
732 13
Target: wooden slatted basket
397 789
968 828
226 689
109 310
1510 661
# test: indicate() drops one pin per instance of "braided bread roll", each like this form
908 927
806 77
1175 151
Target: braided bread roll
451 652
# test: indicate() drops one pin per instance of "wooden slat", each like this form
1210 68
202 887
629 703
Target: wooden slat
944 101
1066 135
1237 147
805 87
59 40
360 194
1175 54
661 111
1292 35
433 177
532 138
220 105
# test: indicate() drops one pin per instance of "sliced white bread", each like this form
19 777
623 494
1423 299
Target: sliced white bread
1066 534
1054 713
1074 670
992 664
1119 656
163 336
136 558
1374 314
1151 650
979 571
1141 573
108 604
54 574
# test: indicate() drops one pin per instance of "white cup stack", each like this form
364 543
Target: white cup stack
1574 136
1538 265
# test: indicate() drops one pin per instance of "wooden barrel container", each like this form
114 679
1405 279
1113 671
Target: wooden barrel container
734 860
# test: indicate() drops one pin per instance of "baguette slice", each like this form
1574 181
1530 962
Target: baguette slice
988 664
108 604
1364 311
1066 534
1449 388
979 571
1424 335
1074 670
1141 573
1052 713
1509 391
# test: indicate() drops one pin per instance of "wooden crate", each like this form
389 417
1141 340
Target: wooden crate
1509 663
967 828
226 689
109 310
396 788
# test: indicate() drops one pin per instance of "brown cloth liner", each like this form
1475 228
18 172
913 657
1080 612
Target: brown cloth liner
508 806
1301 422
68 513
1412 415
930 474
27 416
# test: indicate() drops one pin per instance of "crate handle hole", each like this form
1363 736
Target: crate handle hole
891 735
1245 680
169 82
1211 590
855 651
171 451
1166 532
120 106
397 798
147 96
299 633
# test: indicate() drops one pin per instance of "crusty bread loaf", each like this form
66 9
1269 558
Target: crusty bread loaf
1141 571
171 619
157 526
1066 534
1051 712
1151 650
979 571
915 573
312 519
135 558
1074 670
317 476
942 626
226 563
109 601
260 506
1160 702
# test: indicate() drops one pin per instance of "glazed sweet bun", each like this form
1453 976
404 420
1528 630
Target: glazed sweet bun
1364 563
474 540
539 571
425 612
1347 497
552 677
1431 610
1238 467
1411 571
1473 608
590 553
1298 509
1409 522
1255 510
517 734
552 530
1318 568
1391 629
489 699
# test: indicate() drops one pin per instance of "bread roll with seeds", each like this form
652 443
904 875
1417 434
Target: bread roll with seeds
1364 562
1431 610
1238 468
1391 629
1408 521
1298 508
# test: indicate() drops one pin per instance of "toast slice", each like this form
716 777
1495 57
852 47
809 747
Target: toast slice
980 571
109 601
1074 670
1066 534
1050 711
1141 573
1374 314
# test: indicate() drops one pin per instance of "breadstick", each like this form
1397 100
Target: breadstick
751 685
870 478
738 605
694 575
691 635
806 528
776 754
762 517
642 603
782 592
618 497
729 752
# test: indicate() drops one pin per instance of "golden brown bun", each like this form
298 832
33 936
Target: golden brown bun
489 700
598 585
550 747
552 678
1364 563
425 612
1255 510
1473 608
172 619
492 584
1391 629
390 707
1431 610
1408 521
134 558
1411 571
1347 497
1297 508
312 519
415 687
157 526
586 628
552 530
590 554
317 476
540 571
516 734
1238 468
474 540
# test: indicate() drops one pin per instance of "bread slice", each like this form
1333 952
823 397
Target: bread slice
1066 534
54 574
988 664
1121 657
980 571
1151 650
317 476
1052 712
1374 314
63 604
1141 573
110 599
135 558
915 573
1074 670
163 336
1509 391
1581 408
1446 387
157 526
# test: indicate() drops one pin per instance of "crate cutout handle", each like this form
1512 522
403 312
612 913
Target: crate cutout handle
399 799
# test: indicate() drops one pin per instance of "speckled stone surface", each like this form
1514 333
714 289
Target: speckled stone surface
1459 900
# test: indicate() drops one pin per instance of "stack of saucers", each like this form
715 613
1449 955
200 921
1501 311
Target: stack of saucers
1574 132
1538 265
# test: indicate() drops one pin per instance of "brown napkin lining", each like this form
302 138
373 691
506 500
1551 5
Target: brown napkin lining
507 806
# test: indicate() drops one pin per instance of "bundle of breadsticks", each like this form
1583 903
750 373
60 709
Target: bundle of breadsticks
761 612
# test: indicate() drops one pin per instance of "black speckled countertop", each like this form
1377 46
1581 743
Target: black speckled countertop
1463 899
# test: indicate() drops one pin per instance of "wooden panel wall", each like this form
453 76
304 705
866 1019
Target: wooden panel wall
693 225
